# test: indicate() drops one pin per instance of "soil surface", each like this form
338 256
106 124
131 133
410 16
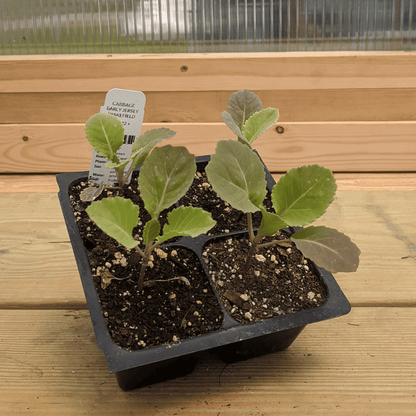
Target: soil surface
165 311
228 219
279 280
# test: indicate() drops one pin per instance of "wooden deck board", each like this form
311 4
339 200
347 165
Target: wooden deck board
382 225
363 364
38 267
403 181
311 105
341 147
207 72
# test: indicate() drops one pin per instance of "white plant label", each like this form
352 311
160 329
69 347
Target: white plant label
128 107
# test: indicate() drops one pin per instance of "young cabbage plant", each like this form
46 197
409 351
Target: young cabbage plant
246 116
299 198
106 134
165 177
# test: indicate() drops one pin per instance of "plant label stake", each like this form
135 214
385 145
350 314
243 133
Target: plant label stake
127 106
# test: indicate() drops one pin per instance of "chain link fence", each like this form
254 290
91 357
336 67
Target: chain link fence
169 26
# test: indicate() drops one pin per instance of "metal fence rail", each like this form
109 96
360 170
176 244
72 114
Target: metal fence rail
157 26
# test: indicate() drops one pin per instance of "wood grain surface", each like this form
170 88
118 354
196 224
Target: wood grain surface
208 72
313 105
342 147
38 267
306 87
402 181
362 364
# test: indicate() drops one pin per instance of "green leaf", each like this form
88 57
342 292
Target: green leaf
328 248
116 217
187 222
270 223
146 142
237 176
303 194
106 134
241 105
118 166
165 176
151 231
259 122
142 147
230 122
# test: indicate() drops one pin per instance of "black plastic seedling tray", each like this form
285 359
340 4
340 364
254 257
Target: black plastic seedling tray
233 342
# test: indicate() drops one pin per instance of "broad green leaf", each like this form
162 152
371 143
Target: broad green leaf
106 134
118 166
151 231
259 122
237 176
303 194
328 248
241 105
165 176
270 223
142 147
187 222
146 142
230 122
116 217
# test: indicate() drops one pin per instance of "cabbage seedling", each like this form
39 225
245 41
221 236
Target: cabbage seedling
165 177
106 134
246 117
299 198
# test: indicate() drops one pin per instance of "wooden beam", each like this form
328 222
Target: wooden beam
345 182
309 105
342 147
208 72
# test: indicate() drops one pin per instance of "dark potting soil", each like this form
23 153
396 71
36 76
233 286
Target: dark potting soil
166 311
171 310
228 219
279 280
